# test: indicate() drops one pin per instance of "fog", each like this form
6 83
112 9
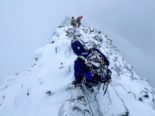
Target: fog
29 24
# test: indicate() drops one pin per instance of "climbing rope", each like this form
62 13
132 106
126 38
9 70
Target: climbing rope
83 88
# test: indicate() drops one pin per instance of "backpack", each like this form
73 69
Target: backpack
74 22
78 20
95 61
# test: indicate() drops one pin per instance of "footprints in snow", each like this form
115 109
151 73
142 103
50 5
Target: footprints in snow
49 93
61 66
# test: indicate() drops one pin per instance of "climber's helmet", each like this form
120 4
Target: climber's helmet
77 47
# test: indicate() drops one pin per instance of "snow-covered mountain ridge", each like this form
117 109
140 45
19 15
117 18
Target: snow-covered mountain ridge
25 94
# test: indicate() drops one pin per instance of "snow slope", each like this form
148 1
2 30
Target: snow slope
45 89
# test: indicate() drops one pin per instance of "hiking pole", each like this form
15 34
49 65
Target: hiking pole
84 92
106 87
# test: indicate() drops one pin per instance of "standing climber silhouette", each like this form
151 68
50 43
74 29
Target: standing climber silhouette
73 22
78 20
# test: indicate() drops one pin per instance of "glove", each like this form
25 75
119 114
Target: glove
73 82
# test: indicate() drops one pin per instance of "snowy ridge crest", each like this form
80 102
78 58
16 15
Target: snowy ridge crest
45 88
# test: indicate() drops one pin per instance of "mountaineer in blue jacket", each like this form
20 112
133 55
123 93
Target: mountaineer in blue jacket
86 69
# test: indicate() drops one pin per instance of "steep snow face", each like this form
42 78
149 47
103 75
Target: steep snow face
45 89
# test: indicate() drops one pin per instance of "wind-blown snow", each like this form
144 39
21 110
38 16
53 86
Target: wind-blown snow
45 89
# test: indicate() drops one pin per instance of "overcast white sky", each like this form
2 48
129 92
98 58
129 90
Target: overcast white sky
26 25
